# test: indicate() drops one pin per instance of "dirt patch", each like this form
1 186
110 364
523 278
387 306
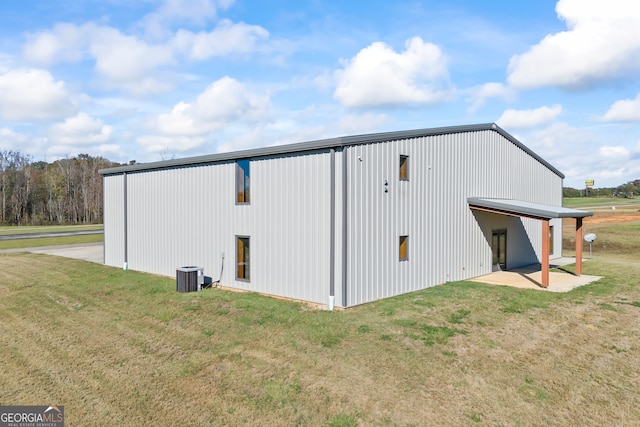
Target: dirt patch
611 217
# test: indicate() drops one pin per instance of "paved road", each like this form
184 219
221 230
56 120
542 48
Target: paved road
50 234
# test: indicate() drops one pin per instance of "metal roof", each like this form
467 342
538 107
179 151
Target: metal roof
527 209
324 144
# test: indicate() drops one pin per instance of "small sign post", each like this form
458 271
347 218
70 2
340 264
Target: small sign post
587 184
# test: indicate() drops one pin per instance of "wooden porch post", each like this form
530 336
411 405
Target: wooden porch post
578 246
545 253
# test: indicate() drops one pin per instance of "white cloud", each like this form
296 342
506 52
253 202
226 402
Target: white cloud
316 123
197 12
351 124
554 141
7 133
125 60
480 94
122 61
224 104
6 62
109 149
602 42
582 154
249 138
227 38
63 43
80 130
521 119
130 63
625 110
378 76
9 139
163 144
32 94
616 153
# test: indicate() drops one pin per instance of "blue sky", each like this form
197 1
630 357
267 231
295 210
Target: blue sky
158 79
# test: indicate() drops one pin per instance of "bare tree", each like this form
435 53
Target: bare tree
65 191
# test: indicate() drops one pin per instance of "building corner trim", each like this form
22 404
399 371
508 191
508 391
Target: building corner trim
125 264
344 226
332 228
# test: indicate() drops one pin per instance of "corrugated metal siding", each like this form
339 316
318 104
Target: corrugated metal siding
446 241
113 214
556 251
291 224
188 216
170 213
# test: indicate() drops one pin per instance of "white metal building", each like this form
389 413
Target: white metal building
341 221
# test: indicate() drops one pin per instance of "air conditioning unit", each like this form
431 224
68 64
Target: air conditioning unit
189 279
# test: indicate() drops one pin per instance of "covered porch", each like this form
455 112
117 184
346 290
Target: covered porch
543 213
530 277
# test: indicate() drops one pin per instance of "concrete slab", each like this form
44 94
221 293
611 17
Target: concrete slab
530 277
93 252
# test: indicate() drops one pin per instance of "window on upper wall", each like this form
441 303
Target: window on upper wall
404 168
242 181
551 240
404 248
242 258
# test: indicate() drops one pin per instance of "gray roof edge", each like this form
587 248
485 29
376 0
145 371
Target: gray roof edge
221 157
323 144
534 209
315 145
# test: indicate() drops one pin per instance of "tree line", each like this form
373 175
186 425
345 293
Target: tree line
630 189
67 191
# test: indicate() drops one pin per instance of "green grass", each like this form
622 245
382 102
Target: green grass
612 239
50 241
5 230
125 347
579 202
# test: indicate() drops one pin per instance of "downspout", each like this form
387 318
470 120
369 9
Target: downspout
125 265
332 227
344 226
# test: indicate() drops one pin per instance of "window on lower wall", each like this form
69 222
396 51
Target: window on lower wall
551 240
242 181
404 248
242 258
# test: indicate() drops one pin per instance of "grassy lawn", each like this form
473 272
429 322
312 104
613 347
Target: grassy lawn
123 348
4 230
49 241
598 202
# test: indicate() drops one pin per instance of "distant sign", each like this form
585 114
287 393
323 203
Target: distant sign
589 182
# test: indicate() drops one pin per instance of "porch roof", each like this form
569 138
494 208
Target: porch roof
525 209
